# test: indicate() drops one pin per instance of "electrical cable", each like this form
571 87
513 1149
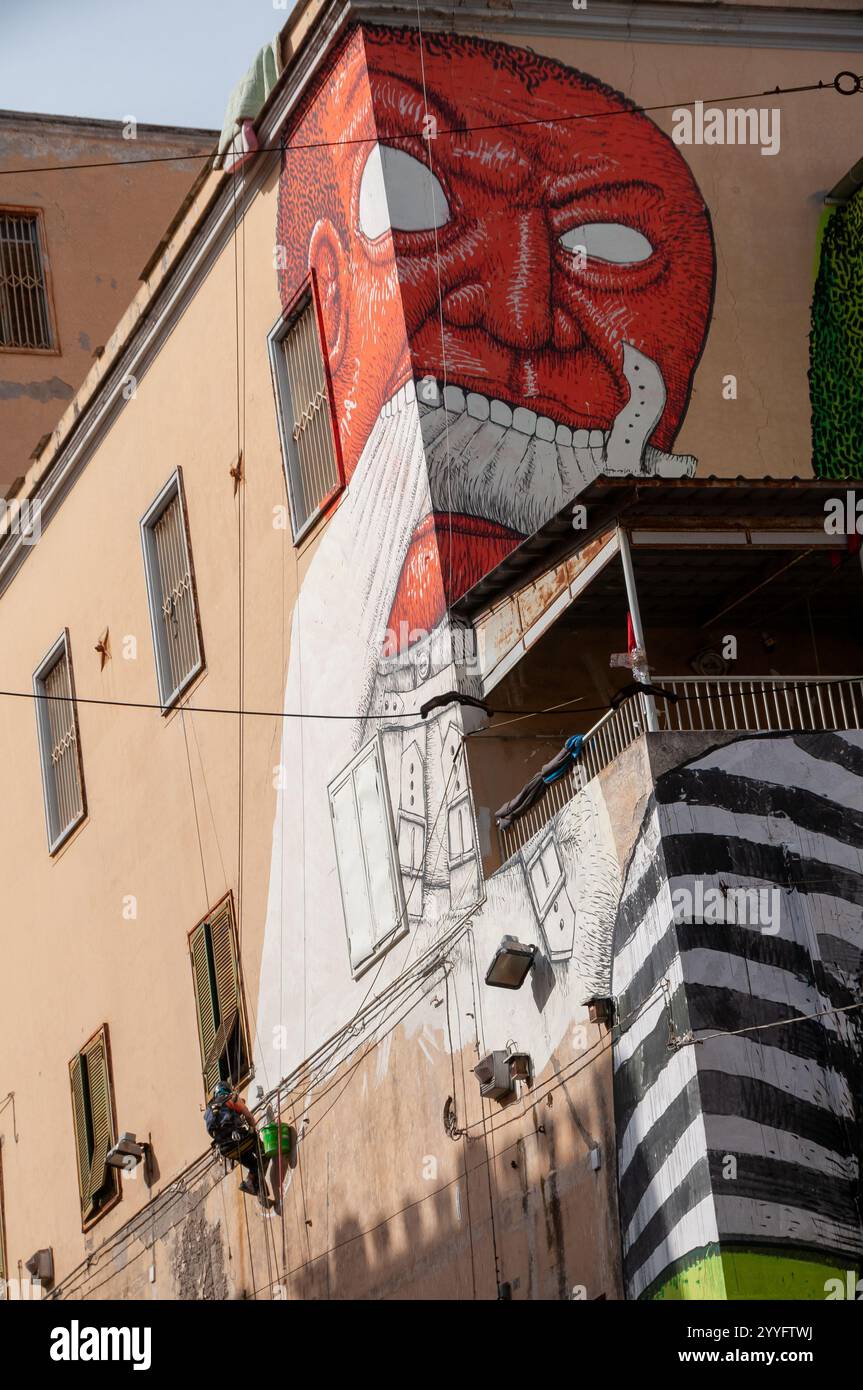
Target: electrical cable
391 136
787 683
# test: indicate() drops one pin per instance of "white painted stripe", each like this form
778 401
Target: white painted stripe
673 1079
757 1221
727 1218
695 1229
733 1134
672 1173
781 762
652 928
799 1077
719 969
681 818
645 1020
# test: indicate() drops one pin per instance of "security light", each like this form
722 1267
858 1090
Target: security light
511 965
126 1153
41 1265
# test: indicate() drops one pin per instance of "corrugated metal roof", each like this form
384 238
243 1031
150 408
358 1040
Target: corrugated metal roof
679 503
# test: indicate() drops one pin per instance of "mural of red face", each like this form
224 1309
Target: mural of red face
511 256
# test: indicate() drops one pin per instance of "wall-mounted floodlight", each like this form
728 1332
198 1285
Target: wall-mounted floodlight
127 1153
41 1265
511 965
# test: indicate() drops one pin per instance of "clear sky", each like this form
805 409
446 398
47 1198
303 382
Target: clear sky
168 62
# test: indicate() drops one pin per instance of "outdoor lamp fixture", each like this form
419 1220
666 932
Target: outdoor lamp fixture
127 1153
41 1265
512 964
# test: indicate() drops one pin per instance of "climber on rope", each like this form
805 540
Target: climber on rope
234 1132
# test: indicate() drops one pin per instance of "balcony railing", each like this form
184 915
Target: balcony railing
740 704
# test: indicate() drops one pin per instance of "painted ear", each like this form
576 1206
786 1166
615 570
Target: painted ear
328 259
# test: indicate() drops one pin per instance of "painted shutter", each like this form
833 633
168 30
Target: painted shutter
205 1006
79 1117
227 980
2 1234
100 1114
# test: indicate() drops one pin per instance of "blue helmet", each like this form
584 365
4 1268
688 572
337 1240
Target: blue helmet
221 1091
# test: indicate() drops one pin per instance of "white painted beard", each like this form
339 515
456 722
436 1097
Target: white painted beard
519 469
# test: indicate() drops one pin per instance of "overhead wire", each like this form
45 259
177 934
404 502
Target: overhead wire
484 128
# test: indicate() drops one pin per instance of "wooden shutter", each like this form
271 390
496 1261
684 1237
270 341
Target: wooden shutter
79 1116
2 1231
100 1114
215 967
205 1004
91 1113
227 983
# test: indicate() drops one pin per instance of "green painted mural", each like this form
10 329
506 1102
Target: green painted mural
836 347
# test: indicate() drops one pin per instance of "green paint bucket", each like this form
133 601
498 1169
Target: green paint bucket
270 1136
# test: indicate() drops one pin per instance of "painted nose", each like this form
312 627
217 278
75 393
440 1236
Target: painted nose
511 294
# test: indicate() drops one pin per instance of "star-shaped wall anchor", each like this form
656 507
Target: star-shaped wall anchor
103 647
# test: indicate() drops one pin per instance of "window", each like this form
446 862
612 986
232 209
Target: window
25 320
171 592
219 999
59 743
93 1118
367 857
310 447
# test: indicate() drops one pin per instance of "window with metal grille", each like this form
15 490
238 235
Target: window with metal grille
171 591
218 998
309 440
25 320
59 743
93 1120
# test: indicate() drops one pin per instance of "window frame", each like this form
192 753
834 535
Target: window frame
57 837
89 1220
38 215
305 296
401 928
225 902
172 489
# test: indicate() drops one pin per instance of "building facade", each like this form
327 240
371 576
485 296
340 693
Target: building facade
72 258
469 419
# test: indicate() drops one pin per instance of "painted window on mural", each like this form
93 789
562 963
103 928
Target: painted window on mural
92 1114
25 319
218 998
309 445
369 876
171 590
59 743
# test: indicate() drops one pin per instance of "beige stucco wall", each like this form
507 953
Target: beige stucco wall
99 228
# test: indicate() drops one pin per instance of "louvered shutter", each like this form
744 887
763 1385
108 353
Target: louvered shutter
100 1114
2 1234
79 1116
205 1006
227 984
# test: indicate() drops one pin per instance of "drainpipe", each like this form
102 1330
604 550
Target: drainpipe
641 672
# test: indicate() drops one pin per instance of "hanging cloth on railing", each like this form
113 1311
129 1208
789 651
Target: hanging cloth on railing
533 791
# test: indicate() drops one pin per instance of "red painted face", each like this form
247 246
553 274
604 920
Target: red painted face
479 281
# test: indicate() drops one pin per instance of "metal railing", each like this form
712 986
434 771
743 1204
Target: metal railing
762 703
744 704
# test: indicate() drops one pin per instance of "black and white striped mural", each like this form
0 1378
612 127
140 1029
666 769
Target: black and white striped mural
738 1094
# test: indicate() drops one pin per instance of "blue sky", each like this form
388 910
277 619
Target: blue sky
169 62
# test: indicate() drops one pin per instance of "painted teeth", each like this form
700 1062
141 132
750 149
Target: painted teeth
427 391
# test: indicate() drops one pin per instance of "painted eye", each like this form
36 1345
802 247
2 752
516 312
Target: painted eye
400 193
608 241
